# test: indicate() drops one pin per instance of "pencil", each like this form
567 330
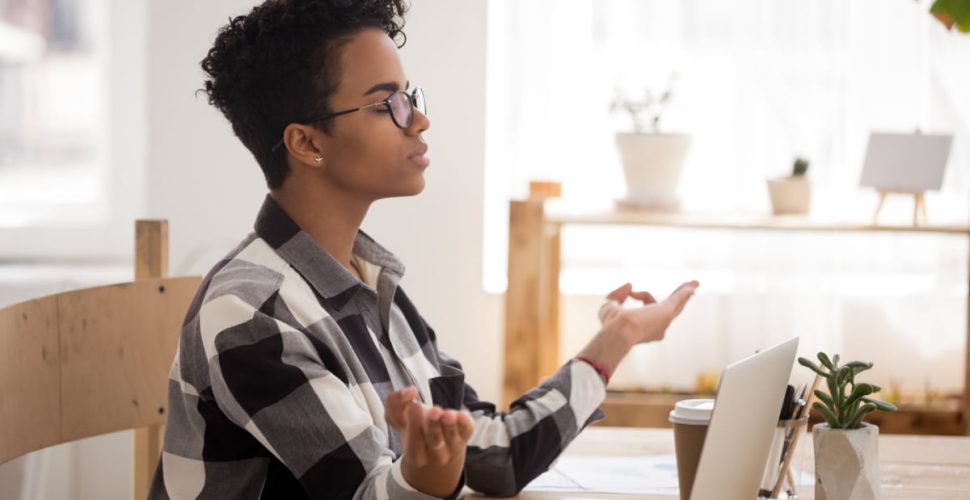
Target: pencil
794 441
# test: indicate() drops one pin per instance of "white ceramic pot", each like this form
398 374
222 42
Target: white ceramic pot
790 195
651 166
846 463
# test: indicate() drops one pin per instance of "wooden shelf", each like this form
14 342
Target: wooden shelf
532 299
560 213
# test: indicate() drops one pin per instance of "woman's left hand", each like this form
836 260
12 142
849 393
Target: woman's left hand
616 298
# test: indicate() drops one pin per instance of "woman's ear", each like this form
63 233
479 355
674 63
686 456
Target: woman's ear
304 144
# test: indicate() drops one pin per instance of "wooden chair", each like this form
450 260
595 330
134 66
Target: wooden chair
94 361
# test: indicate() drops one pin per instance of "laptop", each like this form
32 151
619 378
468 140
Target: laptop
745 415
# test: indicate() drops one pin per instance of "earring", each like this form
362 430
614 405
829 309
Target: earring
318 159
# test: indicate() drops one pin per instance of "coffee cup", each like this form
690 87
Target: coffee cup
690 419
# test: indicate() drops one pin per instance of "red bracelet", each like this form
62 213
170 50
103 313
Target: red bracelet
596 366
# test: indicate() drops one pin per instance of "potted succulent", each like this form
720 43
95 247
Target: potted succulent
791 194
652 160
846 447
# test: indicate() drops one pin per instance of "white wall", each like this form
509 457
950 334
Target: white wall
440 236
199 176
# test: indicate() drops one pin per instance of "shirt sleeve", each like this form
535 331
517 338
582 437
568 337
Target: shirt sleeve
272 380
510 449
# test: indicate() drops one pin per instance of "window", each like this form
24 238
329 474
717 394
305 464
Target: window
758 82
51 123
71 127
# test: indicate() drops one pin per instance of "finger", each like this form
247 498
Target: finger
687 287
448 417
644 297
609 309
434 437
681 295
414 444
466 426
395 404
680 301
449 427
620 294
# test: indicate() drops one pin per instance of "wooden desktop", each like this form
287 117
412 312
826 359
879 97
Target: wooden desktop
911 467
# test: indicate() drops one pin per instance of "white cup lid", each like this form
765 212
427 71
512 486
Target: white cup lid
692 411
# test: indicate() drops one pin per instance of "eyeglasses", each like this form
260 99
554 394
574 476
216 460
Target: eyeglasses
400 105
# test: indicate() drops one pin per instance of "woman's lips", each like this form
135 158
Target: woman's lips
420 157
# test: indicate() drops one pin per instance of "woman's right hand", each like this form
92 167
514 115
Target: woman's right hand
649 322
434 441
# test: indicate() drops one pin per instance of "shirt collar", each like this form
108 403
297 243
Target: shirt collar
319 268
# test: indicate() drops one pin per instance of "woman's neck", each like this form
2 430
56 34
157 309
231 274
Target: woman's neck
332 218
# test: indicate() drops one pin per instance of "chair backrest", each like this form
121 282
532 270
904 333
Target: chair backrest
92 361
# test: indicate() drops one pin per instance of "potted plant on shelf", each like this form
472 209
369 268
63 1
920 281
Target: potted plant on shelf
652 160
791 194
846 448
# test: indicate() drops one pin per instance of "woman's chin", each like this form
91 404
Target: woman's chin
418 188
413 187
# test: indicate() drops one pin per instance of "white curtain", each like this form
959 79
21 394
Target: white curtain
759 82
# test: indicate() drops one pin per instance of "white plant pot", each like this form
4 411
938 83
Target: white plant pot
790 195
651 166
846 463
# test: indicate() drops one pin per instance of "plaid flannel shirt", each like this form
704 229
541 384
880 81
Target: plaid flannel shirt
285 359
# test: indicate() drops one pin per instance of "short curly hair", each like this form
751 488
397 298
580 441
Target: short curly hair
279 64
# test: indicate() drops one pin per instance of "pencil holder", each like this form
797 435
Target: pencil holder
779 459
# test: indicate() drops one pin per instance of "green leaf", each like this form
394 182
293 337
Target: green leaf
855 420
881 405
828 415
835 360
824 358
841 380
807 363
846 410
850 416
825 398
861 390
842 375
857 370
833 391
957 10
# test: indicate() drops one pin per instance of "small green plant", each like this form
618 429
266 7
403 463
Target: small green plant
649 109
846 402
799 168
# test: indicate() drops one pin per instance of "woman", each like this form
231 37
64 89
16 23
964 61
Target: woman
303 370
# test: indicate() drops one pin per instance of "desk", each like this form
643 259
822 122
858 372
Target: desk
532 299
911 467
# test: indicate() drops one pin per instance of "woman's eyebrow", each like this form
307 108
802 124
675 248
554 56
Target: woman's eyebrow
387 86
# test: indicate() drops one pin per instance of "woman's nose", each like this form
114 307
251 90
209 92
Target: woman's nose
420 123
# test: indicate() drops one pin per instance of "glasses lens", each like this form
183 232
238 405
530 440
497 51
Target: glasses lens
417 99
401 109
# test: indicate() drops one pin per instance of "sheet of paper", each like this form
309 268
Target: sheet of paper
647 475
655 475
